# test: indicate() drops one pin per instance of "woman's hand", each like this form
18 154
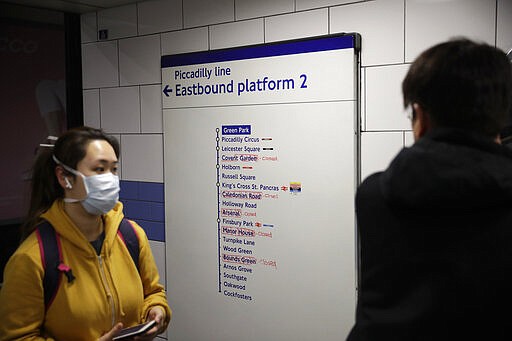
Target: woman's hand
113 332
158 315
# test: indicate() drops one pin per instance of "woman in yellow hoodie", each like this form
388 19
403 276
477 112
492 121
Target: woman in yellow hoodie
75 188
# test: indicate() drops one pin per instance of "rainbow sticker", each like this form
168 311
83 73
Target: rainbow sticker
295 187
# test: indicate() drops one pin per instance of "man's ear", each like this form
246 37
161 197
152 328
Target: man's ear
421 123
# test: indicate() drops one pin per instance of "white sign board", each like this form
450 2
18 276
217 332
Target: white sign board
260 176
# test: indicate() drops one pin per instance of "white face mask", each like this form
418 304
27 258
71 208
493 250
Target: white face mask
102 191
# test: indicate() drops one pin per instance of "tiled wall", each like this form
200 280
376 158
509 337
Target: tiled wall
121 75
144 203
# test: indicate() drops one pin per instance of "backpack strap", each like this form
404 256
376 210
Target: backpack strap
130 239
51 258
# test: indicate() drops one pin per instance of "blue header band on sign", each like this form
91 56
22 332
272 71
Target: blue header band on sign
236 130
261 51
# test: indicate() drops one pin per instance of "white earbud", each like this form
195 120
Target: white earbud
68 184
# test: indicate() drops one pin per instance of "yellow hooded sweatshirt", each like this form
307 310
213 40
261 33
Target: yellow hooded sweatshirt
107 288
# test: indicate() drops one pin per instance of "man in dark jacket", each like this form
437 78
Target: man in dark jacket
435 228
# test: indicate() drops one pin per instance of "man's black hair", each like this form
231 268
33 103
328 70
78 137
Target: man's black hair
462 84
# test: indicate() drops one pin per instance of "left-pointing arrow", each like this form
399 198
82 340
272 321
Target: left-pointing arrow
167 90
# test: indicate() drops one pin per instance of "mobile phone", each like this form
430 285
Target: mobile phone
134 331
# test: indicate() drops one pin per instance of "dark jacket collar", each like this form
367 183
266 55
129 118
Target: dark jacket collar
448 169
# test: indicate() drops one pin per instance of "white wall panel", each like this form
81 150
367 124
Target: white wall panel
504 25
362 101
311 4
142 158
119 168
381 25
159 16
151 108
297 25
91 100
185 41
139 60
430 22
88 27
383 102
207 12
158 250
378 149
121 22
120 110
408 138
246 9
100 65
236 34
